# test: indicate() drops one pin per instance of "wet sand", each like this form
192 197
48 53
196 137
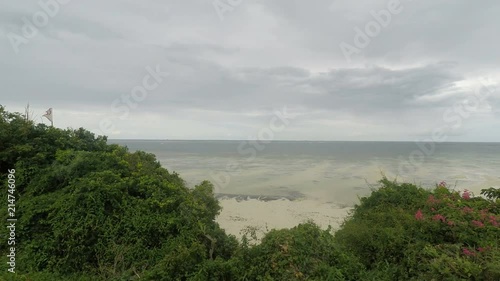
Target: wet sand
238 215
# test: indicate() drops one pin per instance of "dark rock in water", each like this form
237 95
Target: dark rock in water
293 195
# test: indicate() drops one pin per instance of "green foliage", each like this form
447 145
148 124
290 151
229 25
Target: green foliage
491 193
88 207
304 252
435 234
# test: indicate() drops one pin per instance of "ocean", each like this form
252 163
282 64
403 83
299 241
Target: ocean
337 172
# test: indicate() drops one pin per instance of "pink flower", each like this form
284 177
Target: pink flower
432 200
467 252
451 223
466 195
493 220
418 215
442 184
478 223
439 217
467 210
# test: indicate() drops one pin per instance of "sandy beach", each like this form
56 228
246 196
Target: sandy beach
238 215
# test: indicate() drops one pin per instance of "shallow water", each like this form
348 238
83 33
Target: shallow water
330 171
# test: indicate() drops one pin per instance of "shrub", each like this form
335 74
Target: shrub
433 234
304 252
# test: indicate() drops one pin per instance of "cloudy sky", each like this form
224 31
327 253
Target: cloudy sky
343 70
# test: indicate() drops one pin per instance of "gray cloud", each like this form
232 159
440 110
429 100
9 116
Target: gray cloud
227 77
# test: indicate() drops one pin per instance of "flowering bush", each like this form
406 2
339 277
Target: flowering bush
461 217
404 232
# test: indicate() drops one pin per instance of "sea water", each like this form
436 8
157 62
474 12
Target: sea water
337 172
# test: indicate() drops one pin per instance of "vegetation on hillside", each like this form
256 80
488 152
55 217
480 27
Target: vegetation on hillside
88 210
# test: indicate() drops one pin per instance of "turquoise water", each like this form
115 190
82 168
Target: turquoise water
329 171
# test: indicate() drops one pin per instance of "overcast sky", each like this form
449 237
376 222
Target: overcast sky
344 70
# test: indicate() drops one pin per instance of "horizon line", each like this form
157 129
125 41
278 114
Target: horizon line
291 140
